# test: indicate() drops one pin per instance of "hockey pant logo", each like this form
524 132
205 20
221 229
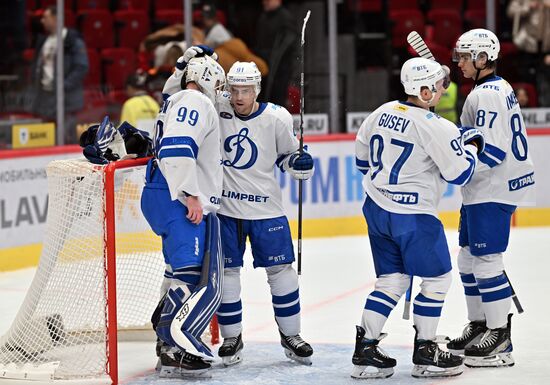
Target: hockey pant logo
185 317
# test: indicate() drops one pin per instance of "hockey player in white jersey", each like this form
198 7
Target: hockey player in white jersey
180 200
256 137
407 154
504 179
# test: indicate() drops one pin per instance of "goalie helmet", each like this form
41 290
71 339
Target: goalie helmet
420 72
245 74
475 42
207 74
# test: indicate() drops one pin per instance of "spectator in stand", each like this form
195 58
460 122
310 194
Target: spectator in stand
523 97
215 31
276 43
44 73
140 110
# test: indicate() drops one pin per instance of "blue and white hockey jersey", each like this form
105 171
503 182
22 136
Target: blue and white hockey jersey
187 146
407 153
251 148
505 172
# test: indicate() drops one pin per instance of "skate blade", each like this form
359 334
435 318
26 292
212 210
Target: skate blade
371 372
232 360
494 361
301 360
429 371
158 366
172 372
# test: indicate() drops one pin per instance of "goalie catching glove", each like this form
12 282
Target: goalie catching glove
301 166
104 143
473 136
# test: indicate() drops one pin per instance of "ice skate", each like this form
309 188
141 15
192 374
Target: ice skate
178 364
296 348
493 350
430 361
471 335
368 359
231 350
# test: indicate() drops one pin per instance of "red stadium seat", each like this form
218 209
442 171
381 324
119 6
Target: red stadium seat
93 78
531 92
405 21
70 19
144 5
169 16
365 5
394 5
476 4
96 26
447 26
118 64
475 18
132 27
442 54
293 100
92 4
69 4
447 4
168 4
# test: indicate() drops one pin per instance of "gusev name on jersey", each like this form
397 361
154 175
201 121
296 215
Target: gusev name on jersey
407 154
251 148
187 146
505 173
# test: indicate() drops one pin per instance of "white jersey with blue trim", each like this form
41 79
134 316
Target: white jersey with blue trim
187 146
505 173
407 154
252 147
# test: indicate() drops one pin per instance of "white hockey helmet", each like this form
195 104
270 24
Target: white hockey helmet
245 74
420 72
475 42
207 73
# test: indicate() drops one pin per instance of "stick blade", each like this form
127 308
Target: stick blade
419 45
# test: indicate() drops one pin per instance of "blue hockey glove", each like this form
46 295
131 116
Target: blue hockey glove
136 141
471 135
301 166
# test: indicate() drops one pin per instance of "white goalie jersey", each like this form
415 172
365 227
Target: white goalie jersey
252 147
407 154
505 173
187 146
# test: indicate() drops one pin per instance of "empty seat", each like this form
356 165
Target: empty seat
118 64
166 17
394 5
96 26
93 78
457 5
168 4
132 27
447 26
403 22
365 5
144 5
92 4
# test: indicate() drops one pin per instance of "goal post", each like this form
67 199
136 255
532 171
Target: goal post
98 279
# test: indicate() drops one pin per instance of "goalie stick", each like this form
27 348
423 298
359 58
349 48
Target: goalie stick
419 46
302 98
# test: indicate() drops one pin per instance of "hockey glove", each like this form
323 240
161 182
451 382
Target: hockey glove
136 141
195 51
471 135
301 166
102 143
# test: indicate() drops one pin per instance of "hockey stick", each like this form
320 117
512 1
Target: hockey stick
514 296
302 98
419 45
407 307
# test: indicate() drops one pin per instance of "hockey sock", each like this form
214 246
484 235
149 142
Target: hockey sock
285 297
231 309
496 296
426 313
377 310
473 297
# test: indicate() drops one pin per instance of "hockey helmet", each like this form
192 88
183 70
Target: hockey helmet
420 72
475 42
207 73
245 74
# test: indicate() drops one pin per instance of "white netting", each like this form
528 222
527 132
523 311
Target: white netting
60 329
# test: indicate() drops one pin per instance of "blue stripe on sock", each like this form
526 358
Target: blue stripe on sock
378 307
471 291
230 319
420 297
487 283
493 296
467 278
287 298
379 294
427 311
287 311
230 307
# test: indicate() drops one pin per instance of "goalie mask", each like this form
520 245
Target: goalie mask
245 74
420 72
475 42
207 74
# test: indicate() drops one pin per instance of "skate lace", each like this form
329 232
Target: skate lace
488 339
381 352
466 333
230 342
295 341
442 354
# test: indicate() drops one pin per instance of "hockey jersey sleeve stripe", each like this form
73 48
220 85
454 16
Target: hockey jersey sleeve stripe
484 158
362 165
180 141
184 152
280 161
465 177
495 152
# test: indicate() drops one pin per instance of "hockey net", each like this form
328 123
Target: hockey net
98 280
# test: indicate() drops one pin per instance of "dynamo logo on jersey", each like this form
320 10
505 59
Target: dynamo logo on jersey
243 149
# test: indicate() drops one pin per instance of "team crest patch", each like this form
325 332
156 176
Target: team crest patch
226 115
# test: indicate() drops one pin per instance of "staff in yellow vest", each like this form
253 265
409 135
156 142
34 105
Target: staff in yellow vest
447 104
140 110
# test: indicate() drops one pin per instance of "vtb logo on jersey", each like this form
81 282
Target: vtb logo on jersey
242 148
